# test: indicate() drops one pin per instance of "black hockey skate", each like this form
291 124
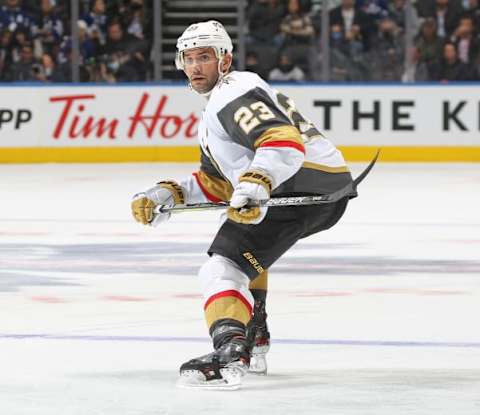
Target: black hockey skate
259 339
223 368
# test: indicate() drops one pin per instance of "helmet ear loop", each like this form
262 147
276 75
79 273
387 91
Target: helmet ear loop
221 73
179 61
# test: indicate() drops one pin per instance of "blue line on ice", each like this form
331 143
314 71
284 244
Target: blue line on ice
335 342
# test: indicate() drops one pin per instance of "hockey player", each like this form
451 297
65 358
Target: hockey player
254 144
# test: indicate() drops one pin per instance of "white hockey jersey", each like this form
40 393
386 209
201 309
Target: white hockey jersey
246 124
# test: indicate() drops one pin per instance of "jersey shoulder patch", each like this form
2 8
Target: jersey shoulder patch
249 115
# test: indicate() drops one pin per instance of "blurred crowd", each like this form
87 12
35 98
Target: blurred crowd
36 43
367 40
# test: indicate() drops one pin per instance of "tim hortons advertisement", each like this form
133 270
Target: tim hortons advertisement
99 116
129 118
91 116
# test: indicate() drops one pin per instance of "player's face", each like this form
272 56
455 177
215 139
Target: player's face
201 68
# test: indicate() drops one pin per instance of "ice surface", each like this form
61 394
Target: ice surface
379 315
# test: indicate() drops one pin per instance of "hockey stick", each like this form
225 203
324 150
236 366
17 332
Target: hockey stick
348 190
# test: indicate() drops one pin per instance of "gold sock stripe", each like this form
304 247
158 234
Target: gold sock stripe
258 177
227 307
260 283
175 189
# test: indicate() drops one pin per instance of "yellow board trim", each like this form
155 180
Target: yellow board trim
190 154
412 153
185 154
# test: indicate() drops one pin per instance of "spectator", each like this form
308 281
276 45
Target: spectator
446 15
264 18
299 34
429 44
21 38
89 46
135 18
426 8
349 43
96 19
387 53
346 15
466 4
347 57
375 9
25 68
286 70
48 29
46 71
124 54
450 68
415 70
474 12
52 72
338 59
6 46
396 11
296 26
466 41
358 70
307 6
471 5
13 16
252 64
63 63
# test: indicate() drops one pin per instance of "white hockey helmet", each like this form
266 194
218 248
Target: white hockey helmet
209 34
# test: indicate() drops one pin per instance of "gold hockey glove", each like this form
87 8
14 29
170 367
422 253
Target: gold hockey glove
252 186
165 193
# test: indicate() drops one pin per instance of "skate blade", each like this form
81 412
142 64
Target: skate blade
194 379
258 364
259 350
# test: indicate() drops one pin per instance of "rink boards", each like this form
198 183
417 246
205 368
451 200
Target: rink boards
146 122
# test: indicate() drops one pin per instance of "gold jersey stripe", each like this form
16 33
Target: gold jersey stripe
260 283
283 133
217 187
321 167
227 307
